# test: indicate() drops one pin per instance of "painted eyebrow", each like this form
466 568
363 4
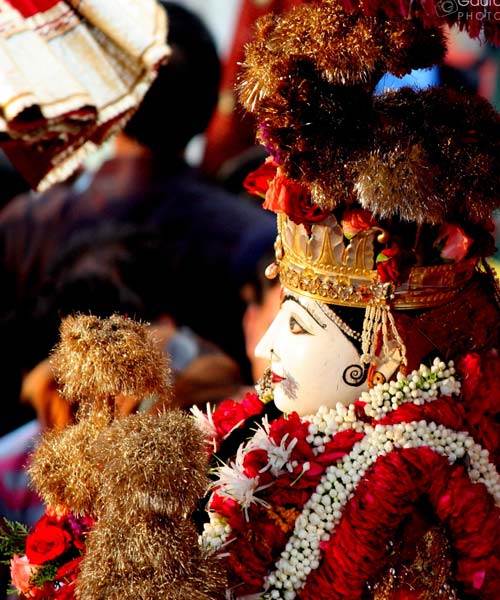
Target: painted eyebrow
297 301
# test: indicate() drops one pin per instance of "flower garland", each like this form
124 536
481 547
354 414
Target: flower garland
288 498
44 562
421 386
219 424
339 484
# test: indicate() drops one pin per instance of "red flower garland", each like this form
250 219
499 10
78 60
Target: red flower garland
258 542
480 375
355 551
385 496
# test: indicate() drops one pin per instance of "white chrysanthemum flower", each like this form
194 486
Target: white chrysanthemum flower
278 455
204 421
234 484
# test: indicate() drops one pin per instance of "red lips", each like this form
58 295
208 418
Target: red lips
276 378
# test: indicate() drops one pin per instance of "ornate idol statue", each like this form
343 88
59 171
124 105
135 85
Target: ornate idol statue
380 479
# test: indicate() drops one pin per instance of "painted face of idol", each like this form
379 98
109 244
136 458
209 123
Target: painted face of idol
313 363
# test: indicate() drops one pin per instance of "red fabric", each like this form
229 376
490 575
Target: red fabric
28 8
230 133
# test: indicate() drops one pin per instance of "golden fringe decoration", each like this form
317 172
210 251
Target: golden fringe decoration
99 359
403 173
140 476
423 157
168 468
62 468
144 544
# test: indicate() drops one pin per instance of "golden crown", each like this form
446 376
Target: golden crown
323 265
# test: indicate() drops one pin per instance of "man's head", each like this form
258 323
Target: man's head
183 97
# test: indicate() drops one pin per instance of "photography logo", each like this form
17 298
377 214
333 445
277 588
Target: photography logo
464 10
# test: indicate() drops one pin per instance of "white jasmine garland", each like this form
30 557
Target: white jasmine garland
326 422
421 386
215 533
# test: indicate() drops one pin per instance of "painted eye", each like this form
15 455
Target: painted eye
295 327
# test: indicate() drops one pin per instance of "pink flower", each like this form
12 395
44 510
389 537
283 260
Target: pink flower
455 242
21 571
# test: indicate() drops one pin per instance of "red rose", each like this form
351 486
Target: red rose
46 542
388 264
231 414
255 462
356 220
228 509
257 182
290 424
228 415
293 199
252 405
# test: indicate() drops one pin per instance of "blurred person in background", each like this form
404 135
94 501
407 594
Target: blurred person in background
192 228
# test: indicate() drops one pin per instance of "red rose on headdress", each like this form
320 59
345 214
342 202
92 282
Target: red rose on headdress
257 182
293 199
388 264
453 242
46 542
356 220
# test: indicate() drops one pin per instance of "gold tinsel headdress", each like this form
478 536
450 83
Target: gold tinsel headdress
384 201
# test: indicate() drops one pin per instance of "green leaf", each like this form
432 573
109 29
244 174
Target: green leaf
45 573
12 539
381 257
